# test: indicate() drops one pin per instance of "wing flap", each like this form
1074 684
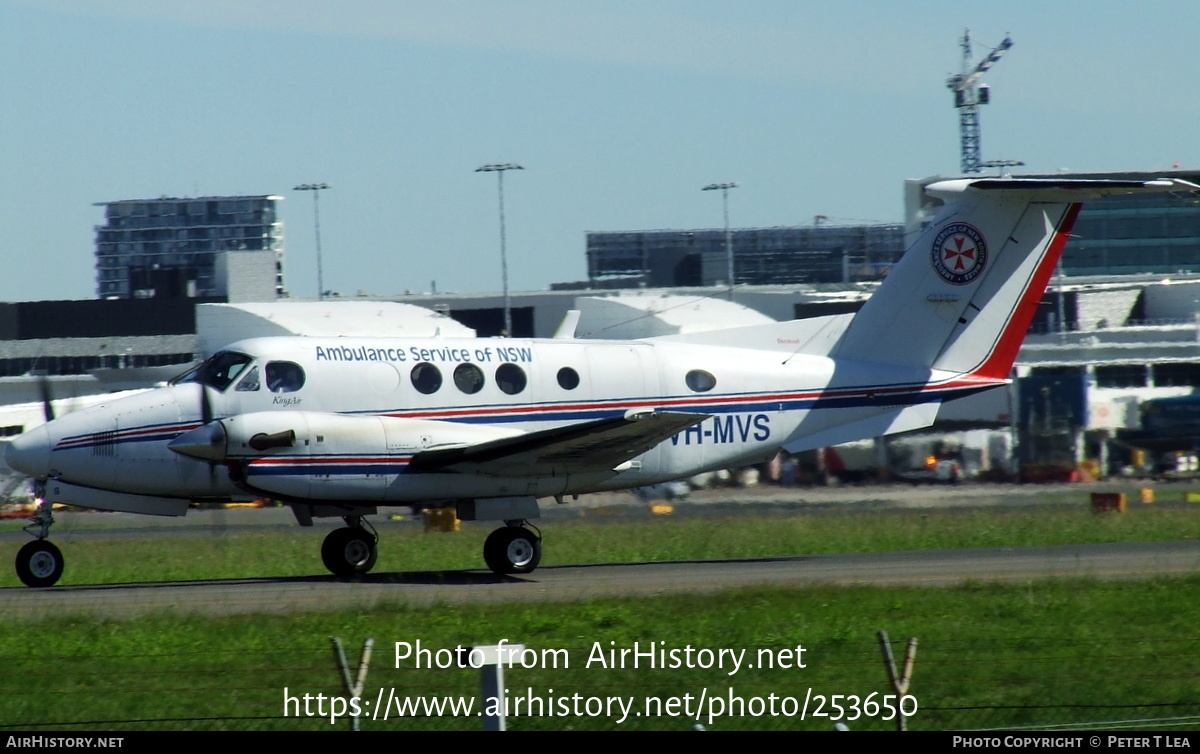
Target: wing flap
599 445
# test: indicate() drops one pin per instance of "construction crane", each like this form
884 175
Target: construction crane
969 94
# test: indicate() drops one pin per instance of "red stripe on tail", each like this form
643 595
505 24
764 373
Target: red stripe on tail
999 363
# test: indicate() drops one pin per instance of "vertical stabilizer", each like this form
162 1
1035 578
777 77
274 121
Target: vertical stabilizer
964 294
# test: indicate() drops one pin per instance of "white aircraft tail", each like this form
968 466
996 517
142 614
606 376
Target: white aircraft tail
962 297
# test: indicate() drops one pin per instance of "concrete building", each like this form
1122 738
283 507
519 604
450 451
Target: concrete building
171 247
761 256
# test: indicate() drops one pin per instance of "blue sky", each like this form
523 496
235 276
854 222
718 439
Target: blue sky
620 111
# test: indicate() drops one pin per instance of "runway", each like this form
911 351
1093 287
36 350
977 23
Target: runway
927 568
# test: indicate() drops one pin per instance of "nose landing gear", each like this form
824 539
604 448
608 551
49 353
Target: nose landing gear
40 562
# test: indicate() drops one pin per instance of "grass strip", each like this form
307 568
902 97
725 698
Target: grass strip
1040 655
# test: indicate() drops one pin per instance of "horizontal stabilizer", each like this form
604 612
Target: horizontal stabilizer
1061 189
599 445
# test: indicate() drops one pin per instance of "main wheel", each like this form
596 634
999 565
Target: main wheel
512 549
39 563
348 552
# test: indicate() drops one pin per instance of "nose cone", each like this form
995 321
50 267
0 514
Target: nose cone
30 453
206 442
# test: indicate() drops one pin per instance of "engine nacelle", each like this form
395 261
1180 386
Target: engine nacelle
316 456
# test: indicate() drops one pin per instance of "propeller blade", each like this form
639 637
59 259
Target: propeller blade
206 414
206 417
44 389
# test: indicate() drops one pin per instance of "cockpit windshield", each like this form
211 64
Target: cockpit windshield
221 369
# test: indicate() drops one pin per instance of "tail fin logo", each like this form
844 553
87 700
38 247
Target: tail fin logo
959 253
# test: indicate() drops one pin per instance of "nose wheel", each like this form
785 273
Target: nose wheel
39 563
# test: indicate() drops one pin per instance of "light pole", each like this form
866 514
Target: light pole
724 187
316 188
498 169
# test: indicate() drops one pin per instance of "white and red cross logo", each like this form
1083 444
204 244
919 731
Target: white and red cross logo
959 253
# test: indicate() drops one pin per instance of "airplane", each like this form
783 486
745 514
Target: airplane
339 427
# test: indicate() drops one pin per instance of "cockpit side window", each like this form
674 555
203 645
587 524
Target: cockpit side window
284 377
219 371
249 383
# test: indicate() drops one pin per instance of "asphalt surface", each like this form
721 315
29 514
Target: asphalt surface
566 583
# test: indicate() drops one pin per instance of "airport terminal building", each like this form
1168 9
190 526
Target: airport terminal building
761 256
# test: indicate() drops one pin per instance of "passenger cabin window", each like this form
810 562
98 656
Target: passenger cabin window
568 378
284 377
468 378
700 381
511 378
426 378
218 371
250 382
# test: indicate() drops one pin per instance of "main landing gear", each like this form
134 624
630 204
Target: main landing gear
513 549
40 563
351 551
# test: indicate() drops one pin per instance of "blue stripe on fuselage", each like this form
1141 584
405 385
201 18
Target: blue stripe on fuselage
878 396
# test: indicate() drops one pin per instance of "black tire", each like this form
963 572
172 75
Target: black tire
39 563
512 549
349 552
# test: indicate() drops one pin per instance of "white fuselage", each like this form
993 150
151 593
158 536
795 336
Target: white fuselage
362 408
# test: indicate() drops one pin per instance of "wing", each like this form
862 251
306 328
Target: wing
600 445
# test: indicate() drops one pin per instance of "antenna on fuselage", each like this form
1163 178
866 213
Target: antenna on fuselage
566 328
44 391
